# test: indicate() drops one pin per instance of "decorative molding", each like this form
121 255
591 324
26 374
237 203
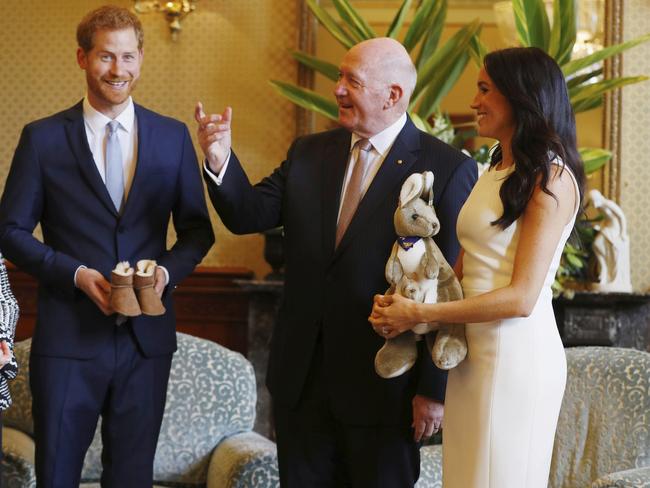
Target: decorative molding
613 101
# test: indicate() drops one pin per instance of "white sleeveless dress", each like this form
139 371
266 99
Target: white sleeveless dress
503 400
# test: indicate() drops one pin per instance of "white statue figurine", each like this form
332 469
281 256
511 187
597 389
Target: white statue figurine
611 246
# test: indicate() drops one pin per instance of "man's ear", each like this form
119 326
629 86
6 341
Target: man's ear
394 96
82 60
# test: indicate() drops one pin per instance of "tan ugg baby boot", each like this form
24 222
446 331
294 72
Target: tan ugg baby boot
145 276
123 298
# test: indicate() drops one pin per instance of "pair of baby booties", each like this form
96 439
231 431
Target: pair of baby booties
132 291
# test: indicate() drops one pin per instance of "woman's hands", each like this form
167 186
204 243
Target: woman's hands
393 314
5 353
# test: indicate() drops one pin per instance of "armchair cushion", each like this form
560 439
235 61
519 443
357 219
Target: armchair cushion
18 463
630 478
245 460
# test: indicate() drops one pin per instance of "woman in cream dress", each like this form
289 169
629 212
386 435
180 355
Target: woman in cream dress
503 400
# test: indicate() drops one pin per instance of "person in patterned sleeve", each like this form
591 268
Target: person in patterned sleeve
8 319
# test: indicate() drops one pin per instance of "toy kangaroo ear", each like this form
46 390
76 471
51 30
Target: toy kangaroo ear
411 189
427 176
428 181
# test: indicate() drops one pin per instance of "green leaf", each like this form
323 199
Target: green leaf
570 249
477 51
441 83
584 62
420 24
445 60
436 22
594 158
330 24
587 104
582 92
574 261
353 20
307 99
398 20
563 33
532 23
580 79
325 68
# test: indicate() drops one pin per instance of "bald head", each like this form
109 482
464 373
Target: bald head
377 81
388 62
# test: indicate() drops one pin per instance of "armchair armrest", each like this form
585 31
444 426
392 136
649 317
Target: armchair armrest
246 460
630 478
18 463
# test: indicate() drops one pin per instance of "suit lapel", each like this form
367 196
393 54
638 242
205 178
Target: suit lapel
78 141
143 160
393 170
333 164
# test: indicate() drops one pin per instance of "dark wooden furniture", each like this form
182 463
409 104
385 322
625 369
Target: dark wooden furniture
208 304
604 319
264 302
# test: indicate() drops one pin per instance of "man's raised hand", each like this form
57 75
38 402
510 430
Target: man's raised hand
214 136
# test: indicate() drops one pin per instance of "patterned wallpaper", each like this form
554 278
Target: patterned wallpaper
225 55
635 148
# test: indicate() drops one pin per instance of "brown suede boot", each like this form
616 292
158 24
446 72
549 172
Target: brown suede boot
123 298
150 302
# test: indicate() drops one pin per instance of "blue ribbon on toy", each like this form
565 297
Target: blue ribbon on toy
407 243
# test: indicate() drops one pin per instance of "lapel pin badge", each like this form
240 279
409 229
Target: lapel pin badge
399 161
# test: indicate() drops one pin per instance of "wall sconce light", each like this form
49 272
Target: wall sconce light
174 11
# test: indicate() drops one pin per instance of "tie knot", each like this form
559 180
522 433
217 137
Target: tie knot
364 145
112 127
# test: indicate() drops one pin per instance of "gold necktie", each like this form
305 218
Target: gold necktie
353 192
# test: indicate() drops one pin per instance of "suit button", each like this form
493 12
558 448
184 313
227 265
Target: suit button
121 229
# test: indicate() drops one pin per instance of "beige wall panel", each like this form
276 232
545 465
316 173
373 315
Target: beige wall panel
635 147
226 53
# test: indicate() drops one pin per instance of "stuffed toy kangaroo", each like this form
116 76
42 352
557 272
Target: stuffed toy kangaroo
416 269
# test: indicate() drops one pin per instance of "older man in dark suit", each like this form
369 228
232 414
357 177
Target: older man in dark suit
103 179
337 422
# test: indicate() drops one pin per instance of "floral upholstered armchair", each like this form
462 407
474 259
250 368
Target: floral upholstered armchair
206 438
603 433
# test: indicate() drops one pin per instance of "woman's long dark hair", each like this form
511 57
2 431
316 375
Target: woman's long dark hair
535 87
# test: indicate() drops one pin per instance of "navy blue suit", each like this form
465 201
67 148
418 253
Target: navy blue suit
53 180
328 292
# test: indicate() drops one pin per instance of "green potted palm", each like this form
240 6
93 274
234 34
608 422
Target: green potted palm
439 65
